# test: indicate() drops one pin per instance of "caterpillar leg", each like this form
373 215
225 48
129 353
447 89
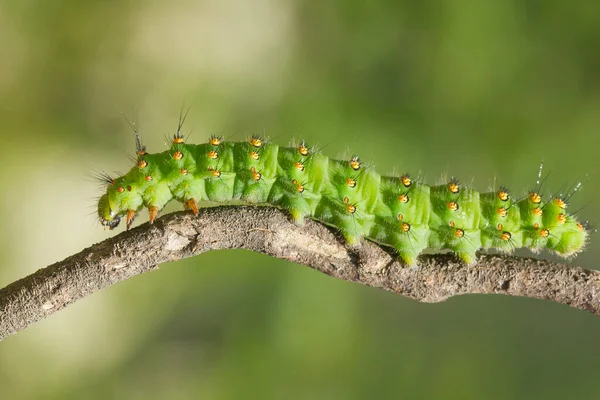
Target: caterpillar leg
409 258
130 218
468 257
191 204
153 212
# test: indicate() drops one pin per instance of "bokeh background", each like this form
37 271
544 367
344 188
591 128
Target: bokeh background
481 90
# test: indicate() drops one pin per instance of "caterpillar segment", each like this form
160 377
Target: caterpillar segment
400 212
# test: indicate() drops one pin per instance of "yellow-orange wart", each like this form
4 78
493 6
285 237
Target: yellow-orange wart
351 208
254 155
537 211
535 198
502 212
178 139
351 182
302 149
215 140
459 233
130 218
120 189
451 223
215 172
544 233
400 217
192 204
406 181
505 236
453 206
500 227
178 155
256 141
255 174
299 166
405 227
299 186
403 198
142 164
453 186
213 155
560 202
580 226
148 178
153 213
184 171
355 163
503 194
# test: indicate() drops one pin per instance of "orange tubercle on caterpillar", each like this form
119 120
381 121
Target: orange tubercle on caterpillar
355 163
535 198
560 202
406 181
255 174
178 155
215 140
503 194
299 187
213 155
215 172
403 198
452 206
454 186
256 141
351 208
302 149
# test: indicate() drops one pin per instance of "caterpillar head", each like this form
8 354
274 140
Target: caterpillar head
108 217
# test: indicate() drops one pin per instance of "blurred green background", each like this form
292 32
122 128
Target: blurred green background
480 90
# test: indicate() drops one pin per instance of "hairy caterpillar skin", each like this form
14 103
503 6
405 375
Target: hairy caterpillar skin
396 211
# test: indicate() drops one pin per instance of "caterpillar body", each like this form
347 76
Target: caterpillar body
398 211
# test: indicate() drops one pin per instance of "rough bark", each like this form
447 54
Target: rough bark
267 230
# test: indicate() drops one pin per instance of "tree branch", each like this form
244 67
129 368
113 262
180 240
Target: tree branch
267 230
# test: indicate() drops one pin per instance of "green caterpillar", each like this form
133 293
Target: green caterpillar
396 211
